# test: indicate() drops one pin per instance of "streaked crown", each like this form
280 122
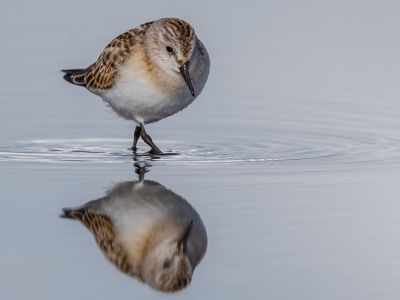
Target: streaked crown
170 43
167 269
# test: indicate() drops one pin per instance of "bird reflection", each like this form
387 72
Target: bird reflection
147 231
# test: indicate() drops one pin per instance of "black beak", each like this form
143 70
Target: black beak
185 74
182 242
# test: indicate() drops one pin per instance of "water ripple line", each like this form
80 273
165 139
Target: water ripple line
113 151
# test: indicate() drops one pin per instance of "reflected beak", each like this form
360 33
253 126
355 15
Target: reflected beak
182 242
185 74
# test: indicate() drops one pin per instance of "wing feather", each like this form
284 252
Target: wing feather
105 235
104 72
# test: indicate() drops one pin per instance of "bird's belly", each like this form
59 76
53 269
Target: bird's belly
137 100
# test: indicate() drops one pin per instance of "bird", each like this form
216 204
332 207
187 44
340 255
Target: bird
148 73
147 231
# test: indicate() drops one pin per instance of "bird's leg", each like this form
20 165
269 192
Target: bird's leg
140 170
147 139
136 136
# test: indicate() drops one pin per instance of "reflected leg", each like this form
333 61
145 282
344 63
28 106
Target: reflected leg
147 139
136 136
140 170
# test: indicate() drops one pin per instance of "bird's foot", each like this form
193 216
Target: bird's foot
155 151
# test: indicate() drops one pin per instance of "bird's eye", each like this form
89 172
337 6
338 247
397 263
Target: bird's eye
169 49
166 265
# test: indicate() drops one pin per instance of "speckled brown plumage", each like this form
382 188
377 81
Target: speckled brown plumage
103 73
106 238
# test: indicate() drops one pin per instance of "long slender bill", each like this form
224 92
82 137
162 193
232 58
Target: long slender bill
185 74
182 242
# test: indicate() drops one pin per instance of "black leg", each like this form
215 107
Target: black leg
147 139
136 136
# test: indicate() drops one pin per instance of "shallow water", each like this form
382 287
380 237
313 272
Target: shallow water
291 155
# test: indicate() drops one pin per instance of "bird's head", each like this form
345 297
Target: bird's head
170 44
167 268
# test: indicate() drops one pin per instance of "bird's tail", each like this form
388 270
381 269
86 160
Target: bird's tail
75 76
68 214
72 213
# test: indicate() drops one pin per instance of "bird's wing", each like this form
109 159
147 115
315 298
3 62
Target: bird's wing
103 73
105 235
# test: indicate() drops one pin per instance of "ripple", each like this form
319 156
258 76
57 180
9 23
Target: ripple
113 151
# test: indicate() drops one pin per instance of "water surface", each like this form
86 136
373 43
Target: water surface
291 154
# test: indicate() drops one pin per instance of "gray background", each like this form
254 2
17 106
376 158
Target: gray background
290 155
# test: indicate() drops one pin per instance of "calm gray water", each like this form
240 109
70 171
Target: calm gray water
290 156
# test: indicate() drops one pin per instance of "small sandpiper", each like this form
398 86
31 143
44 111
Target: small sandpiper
148 73
147 231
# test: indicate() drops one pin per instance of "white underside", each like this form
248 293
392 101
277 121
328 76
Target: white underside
134 97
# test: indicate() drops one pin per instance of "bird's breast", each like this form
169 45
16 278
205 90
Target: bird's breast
145 93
